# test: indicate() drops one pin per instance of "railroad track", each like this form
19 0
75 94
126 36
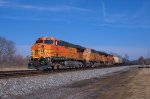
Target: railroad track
27 73
19 73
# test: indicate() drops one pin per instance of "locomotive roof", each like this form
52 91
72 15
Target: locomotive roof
64 43
99 52
67 44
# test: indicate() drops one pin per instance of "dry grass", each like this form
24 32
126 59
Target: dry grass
12 67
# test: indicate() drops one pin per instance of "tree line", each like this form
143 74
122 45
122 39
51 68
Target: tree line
8 55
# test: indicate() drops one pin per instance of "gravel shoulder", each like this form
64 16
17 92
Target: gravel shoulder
54 85
132 84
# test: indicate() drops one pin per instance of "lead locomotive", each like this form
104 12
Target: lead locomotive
49 52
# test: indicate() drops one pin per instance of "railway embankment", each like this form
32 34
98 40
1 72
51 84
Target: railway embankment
20 87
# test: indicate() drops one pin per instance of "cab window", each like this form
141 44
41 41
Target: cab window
39 41
88 50
48 41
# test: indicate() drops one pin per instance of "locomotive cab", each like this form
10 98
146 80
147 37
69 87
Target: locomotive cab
41 46
41 52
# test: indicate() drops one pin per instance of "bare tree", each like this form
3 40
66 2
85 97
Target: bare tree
11 49
7 50
2 48
8 56
3 43
126 57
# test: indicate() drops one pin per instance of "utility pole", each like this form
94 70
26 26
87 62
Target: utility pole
148 56
148 52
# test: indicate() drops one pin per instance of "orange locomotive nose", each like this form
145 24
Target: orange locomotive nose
42 47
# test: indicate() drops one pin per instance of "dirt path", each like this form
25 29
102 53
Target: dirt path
133 84
140 85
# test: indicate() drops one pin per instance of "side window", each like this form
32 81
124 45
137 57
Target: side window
88 50
48 41
60 43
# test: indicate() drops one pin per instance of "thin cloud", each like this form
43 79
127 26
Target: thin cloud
126 19
123 26
103 9
111 18
42 8
32 18
119 17
3 2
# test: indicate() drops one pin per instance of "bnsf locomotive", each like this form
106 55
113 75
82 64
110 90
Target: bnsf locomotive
49 52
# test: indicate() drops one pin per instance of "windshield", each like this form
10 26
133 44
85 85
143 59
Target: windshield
48 41
39 41
88 50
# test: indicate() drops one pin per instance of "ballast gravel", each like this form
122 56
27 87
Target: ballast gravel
25 85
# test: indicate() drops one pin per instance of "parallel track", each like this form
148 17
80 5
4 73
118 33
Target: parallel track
27 73
19 73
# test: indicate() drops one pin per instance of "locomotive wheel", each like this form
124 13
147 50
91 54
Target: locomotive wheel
55 67
59 66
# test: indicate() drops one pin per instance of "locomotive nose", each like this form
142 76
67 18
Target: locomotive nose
41 46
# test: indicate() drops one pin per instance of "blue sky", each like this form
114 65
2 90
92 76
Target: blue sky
120 26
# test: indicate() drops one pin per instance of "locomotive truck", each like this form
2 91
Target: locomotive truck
49 52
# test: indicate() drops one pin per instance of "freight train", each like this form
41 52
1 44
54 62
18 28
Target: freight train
49 52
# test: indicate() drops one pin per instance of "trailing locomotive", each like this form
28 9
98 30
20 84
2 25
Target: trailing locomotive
49 52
